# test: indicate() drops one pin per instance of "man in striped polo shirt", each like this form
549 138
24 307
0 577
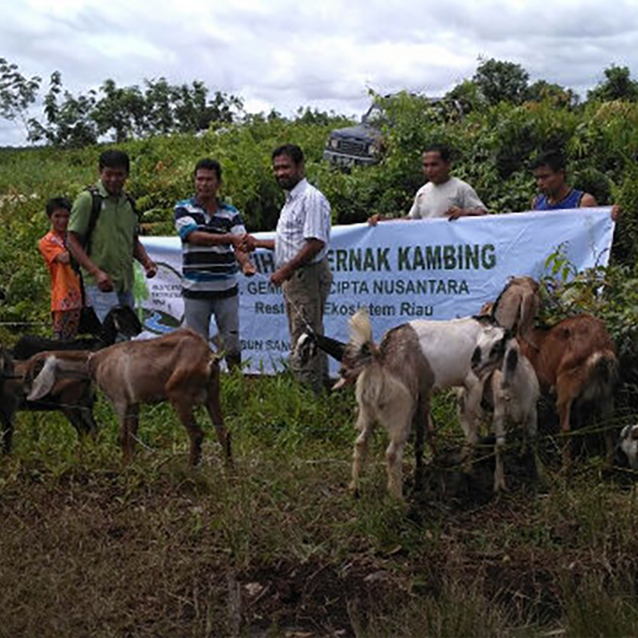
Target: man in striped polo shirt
301 244
213 241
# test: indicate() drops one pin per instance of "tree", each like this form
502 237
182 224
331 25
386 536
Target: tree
555 93
501 81
68 123
468 94
17 93
306 115
185 108
616 86
193 112
121 111
158 106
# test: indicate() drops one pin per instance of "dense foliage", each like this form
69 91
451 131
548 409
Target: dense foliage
492 147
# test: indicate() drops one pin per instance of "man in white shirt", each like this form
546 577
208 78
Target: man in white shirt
442 195
300 245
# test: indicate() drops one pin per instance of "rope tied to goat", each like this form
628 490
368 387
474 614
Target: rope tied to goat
23 323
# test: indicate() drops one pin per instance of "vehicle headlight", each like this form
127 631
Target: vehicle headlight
372 149
334 143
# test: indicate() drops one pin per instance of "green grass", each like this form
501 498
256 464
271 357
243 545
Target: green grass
90 546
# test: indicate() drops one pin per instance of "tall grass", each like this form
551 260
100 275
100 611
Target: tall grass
91 546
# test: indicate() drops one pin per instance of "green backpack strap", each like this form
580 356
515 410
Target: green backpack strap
96 209
85 239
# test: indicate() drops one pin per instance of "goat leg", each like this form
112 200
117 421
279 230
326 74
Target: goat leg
129 420
81 418
470 417
197 436
422 421
7 431
394 460
184 410
530 439
499 445
397 416
365 425
607 411
564 411
213 406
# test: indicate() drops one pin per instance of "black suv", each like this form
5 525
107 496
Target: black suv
360 144
363 144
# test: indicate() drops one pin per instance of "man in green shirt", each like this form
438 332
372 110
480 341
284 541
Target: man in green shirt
107 258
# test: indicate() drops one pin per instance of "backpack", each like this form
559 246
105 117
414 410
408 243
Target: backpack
96 208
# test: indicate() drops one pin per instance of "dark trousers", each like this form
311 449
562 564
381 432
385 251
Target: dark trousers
305 295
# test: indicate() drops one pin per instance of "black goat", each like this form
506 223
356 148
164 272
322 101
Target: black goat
73 397
120 320
308 343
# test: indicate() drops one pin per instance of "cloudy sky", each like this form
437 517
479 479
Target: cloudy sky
286 54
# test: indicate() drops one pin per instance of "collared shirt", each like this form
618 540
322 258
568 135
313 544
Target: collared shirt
434 200
113 237
305 215
208 271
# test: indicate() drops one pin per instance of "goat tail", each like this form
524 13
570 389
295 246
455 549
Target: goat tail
212 366
602 375
603 367
511 363
361 333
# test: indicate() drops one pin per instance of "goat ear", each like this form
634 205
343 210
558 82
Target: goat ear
44 381
341 381
129 323
511 360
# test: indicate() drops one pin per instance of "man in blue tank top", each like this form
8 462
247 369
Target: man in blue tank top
555 194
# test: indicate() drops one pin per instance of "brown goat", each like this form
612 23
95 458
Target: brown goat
178 367
576 360
518 305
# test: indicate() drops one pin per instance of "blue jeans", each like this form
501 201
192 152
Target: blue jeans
197 315
102 302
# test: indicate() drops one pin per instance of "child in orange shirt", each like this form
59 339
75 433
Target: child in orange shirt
66 296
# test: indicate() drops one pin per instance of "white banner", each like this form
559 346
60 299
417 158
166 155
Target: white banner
401 270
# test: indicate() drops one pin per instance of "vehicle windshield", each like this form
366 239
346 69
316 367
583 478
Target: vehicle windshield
374 116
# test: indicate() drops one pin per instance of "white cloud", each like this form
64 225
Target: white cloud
283 54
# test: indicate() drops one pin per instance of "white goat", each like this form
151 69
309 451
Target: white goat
396 379
178 367
515 393
628 446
